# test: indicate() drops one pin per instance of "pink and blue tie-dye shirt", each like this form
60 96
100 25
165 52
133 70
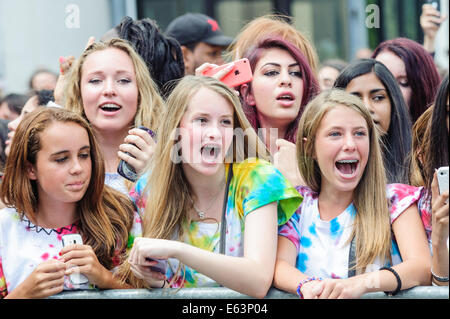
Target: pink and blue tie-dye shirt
23 246
255 183
323 247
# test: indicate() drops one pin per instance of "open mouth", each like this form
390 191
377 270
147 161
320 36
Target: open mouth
110 107
285 97
347 167
210 153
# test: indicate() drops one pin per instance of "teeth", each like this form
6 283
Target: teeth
288 97
347 161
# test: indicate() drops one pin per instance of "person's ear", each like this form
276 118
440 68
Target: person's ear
247 95
188 58
31 171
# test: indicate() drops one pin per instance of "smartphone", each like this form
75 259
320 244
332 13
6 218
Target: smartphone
442 176
435 3
240 74
125 169
161 266
76 278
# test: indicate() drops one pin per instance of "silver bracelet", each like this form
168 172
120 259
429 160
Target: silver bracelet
438 278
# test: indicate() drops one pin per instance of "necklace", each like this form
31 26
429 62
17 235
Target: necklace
202 213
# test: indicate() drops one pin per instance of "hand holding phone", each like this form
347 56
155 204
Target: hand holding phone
160 267
442 177
125 169
72 239
240 73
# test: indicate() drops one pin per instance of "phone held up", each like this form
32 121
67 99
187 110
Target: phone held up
240 74
71 239
435 3
160 267
125 169
442 177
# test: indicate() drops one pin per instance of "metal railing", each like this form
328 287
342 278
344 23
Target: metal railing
422 292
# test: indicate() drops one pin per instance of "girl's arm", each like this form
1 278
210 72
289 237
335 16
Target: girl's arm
251 274
287 276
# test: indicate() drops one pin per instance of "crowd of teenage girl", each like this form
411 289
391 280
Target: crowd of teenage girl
330 193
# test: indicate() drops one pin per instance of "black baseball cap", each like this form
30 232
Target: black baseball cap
196 27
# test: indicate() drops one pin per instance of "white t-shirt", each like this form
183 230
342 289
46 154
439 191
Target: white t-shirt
323 246
23 246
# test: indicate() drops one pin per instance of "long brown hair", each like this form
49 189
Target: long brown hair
105 215
372 228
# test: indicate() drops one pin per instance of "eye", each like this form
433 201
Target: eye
124 81
403 82
94 81
379 98
61 159
84 155
361 133
296 73
227 122
271 73
200 120
334 134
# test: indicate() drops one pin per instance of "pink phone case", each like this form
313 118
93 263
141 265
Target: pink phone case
240 74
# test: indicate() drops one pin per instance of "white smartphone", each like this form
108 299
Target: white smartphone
75 278
442 176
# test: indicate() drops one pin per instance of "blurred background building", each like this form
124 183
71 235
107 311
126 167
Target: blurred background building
35 33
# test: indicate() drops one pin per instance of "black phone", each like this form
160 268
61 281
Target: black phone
125 169
435 3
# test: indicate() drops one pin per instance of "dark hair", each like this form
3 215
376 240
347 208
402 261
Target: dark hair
44 96
397 140
162 54
422 74
436 144
310 84
15 102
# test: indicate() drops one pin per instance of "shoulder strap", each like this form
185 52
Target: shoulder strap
352 258
223 225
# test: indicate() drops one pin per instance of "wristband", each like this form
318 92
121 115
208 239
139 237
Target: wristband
438 278
399 281
304 281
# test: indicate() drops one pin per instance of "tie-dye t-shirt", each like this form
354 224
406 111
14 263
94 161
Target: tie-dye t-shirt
255 183
323 247
23 246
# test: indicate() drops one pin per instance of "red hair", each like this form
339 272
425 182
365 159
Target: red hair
422 74
310 83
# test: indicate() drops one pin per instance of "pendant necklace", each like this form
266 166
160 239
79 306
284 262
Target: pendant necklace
202 213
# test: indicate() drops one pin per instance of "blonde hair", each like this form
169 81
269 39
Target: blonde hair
167 207
150 103
272 25
372 228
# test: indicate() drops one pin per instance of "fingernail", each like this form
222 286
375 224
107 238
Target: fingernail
62 59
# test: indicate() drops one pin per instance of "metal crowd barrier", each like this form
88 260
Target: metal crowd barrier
422 292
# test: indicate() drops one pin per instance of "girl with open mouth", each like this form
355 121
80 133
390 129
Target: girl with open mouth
200 214
353 233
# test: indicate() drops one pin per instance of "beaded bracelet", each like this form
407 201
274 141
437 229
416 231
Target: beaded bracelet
438 278
399 281
304 281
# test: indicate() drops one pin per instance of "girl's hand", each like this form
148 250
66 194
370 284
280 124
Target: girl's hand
65 64
351 288
219 75
82 259
152 278
142 150
46 280
285 160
